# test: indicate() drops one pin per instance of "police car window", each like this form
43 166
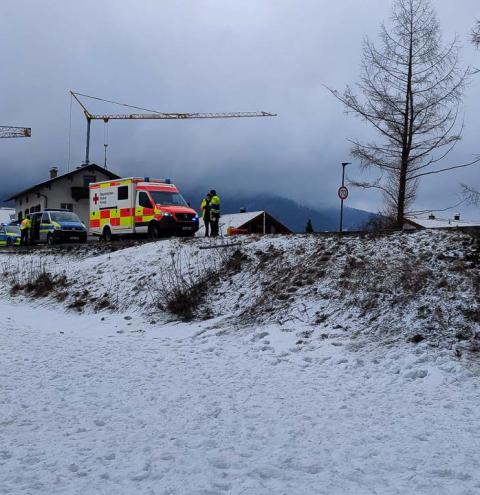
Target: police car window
45 218
144 200
122 192
64 216
168 198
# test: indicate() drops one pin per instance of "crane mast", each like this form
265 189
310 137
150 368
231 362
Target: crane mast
152 115
14 132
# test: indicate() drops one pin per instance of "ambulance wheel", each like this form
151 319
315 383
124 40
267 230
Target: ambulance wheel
154 231
50 240
107 235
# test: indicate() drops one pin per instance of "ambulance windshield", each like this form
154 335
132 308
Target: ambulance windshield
167 198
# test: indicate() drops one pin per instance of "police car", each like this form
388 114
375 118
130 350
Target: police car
56 225
10 235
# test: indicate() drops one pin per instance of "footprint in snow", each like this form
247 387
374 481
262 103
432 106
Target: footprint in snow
416 374
219 463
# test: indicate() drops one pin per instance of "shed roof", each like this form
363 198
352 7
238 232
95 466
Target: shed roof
92 167
423 221
235 220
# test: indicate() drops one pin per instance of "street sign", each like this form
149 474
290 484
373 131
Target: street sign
343 193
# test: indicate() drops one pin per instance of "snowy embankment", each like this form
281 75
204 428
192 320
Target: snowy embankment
421 285
308 365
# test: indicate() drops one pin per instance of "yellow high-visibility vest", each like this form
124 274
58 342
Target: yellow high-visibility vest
26 224
215 203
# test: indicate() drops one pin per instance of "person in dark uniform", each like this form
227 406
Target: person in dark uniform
205 209
214 212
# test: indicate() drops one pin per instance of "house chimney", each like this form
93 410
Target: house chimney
53 172
431 216
457 217
243 209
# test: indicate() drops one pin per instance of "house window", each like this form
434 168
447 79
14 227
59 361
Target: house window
66 206
122 192
20 216
88 179
27 211
21 202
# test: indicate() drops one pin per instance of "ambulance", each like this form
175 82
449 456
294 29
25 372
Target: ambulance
139 205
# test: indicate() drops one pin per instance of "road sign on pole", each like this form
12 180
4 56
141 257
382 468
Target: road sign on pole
343 193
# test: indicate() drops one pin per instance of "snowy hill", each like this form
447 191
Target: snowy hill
304 364
403 283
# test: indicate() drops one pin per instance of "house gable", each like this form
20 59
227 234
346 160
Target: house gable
69 191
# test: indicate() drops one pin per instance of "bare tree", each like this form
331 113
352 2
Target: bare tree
476 34
412 88
471 195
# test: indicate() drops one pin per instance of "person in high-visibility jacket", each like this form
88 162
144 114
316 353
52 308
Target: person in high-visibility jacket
205 209
25 227
214 212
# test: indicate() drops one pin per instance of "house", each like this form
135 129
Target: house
431 221
7 215
68 191
255 222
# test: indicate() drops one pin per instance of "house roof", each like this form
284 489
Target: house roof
234 220
423 221
92 167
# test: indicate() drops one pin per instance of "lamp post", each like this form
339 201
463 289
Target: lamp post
342 193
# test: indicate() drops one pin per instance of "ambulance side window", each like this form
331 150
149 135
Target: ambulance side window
122 192
144 200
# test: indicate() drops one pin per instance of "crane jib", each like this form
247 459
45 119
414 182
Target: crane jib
172 116
151 115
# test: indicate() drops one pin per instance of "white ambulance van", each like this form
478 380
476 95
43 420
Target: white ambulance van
139 205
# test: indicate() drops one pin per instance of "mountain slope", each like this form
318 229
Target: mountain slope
290 213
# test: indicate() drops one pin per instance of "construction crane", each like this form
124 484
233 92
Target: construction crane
14 132
151 115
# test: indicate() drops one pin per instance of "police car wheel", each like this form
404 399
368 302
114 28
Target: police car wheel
10 242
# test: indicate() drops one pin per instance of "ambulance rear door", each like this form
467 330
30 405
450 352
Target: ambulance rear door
121 213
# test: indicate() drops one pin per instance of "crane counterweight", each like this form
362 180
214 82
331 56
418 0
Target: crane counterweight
14 132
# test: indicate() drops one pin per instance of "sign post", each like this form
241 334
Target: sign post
342 194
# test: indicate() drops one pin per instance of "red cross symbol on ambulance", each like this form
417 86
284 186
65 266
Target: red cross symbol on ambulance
96 199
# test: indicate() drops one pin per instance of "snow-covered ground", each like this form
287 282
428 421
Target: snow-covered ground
117 406
297 374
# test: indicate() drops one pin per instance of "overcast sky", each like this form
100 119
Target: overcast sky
207 56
